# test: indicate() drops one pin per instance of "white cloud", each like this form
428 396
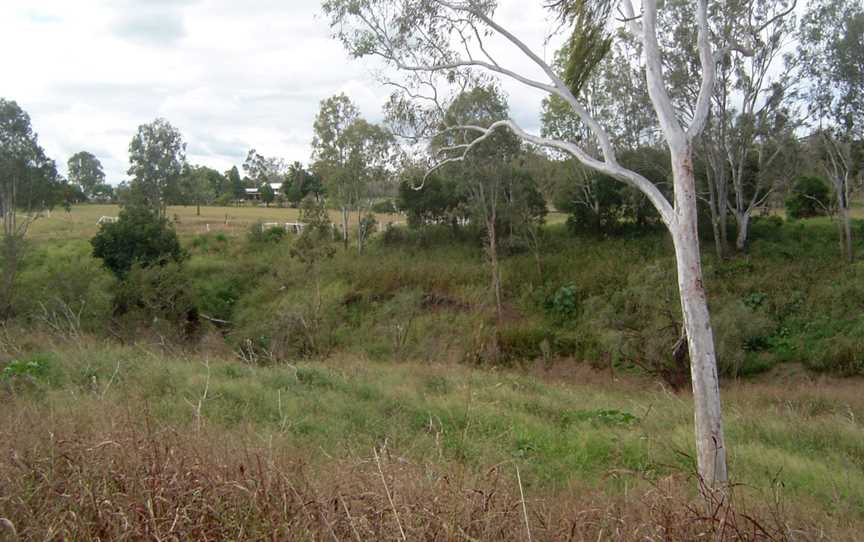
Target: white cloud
230 75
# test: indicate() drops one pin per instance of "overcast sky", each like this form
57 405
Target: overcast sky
231 75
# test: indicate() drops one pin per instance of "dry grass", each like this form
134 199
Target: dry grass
80 223
126 477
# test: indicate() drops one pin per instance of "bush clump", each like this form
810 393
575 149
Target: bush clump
810 197
140 237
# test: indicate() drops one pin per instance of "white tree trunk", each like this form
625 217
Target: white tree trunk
710 444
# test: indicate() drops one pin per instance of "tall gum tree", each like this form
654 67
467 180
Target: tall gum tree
433 44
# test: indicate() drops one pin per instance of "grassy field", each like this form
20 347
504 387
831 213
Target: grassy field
81 222
86 423
390 418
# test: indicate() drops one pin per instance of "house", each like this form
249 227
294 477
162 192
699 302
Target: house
254 194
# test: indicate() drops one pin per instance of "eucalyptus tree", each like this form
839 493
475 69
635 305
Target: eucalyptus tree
614 94
486 177
264 170
349 154
750 132
156 157
85 170
28 183
832 55
754 119
199 185
436 44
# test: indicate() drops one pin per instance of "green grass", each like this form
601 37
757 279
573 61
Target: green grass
584 429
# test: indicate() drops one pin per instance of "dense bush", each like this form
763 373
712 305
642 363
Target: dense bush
387 206
810 197
140 237
258 234
159 298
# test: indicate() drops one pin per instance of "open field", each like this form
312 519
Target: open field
97 436
81 223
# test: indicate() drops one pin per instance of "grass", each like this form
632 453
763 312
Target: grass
582 429
188 441
81 223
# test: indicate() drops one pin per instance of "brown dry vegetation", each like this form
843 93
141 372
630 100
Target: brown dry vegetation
126 477
90 450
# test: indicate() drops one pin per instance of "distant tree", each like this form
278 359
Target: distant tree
196 186
349 153
267 194
156 157
300 182
28 183
810 196
486 177
85 170
235 183
262 170
439 201
831 37
140 237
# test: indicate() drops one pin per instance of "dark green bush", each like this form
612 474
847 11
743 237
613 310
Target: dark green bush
258 234
810 197
140 237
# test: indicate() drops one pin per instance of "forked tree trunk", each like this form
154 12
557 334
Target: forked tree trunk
710 444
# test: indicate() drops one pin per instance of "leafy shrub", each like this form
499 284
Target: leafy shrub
159 298
741 330
563 304
810 197
31 372
258 234
388 206
140 237
523 342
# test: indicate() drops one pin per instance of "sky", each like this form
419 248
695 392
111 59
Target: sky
230 75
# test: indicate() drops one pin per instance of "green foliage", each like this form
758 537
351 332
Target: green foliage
140 237
590 39
563 304
810 196
36 367
85 170
156 157
387 206
160 298
258 234
438 201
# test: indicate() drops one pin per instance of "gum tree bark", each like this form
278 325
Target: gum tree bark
435 42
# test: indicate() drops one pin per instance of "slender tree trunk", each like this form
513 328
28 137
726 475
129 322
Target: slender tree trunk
742 237
710 444
846 237
345 227
496 274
